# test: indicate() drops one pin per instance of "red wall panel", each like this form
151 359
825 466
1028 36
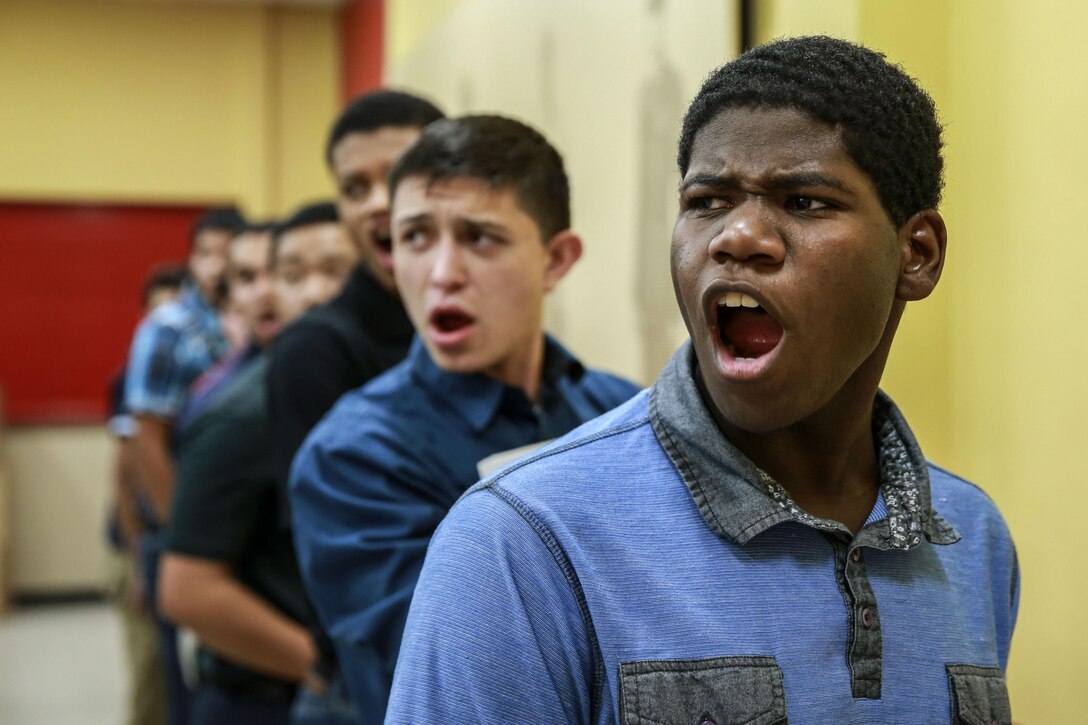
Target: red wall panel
362 34
70 283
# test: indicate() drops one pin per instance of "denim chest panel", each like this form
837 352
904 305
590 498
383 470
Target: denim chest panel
714 691
749 690
979 695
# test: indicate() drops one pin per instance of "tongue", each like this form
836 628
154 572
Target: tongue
752 333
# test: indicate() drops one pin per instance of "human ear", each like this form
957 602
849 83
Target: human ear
563 250
922 243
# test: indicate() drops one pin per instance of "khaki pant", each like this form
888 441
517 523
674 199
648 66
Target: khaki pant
147 688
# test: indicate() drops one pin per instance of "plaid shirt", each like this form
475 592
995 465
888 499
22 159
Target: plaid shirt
172 347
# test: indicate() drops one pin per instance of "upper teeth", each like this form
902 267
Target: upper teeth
737 299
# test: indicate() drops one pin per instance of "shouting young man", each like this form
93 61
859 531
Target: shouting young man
758 537
481 233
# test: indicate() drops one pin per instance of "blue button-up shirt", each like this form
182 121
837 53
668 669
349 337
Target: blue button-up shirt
173 346
644 570
375 478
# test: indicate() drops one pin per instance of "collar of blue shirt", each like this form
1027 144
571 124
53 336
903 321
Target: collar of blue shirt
475 397
738 500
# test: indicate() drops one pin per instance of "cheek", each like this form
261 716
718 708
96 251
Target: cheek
685 267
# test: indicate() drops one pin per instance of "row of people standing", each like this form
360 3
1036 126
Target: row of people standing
754 538
216 433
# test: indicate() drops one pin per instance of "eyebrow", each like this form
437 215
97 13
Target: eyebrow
426 218
790 180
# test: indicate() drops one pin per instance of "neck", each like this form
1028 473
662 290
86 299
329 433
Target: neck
827 461
524 369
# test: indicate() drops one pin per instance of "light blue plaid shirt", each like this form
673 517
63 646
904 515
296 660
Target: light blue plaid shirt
172 347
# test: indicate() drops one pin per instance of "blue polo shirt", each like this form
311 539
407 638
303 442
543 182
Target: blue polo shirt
379 472
643 570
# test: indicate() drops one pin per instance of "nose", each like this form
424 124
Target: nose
748 234
318 289
377 200
448 270
266 288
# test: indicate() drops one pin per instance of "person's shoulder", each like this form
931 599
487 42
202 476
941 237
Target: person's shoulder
172 317
386 405
321 325
963 504
244 394
240 407
174 312
609 446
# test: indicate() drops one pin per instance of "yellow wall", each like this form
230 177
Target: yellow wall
613 115
166 102
991 369
154 102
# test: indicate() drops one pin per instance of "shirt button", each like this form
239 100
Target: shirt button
856 555
867 617
708 721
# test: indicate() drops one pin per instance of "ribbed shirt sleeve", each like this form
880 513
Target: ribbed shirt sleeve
495 633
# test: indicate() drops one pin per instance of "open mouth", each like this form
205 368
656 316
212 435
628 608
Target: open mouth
746 330
383 241
448 321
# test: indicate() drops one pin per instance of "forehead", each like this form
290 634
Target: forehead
459 197
211 240
372 151
249 248
767 141
314 241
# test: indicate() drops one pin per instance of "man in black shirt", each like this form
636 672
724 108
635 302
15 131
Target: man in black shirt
358 335
364 330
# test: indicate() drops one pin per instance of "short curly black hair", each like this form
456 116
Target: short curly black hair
889 125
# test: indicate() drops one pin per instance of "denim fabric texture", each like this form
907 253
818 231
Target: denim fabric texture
979 695
645 537
173 346
749 689
375 478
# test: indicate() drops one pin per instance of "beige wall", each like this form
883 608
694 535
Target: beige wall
58 501
156 102
166 101
608 83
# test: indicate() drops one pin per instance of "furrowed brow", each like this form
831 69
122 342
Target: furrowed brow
803 179
779 182
710 180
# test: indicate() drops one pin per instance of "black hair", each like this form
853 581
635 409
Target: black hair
888 124
501 152
380 109
223 218
321 212
256 227
165 276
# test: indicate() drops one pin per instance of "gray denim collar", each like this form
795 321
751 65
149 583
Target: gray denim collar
738 500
